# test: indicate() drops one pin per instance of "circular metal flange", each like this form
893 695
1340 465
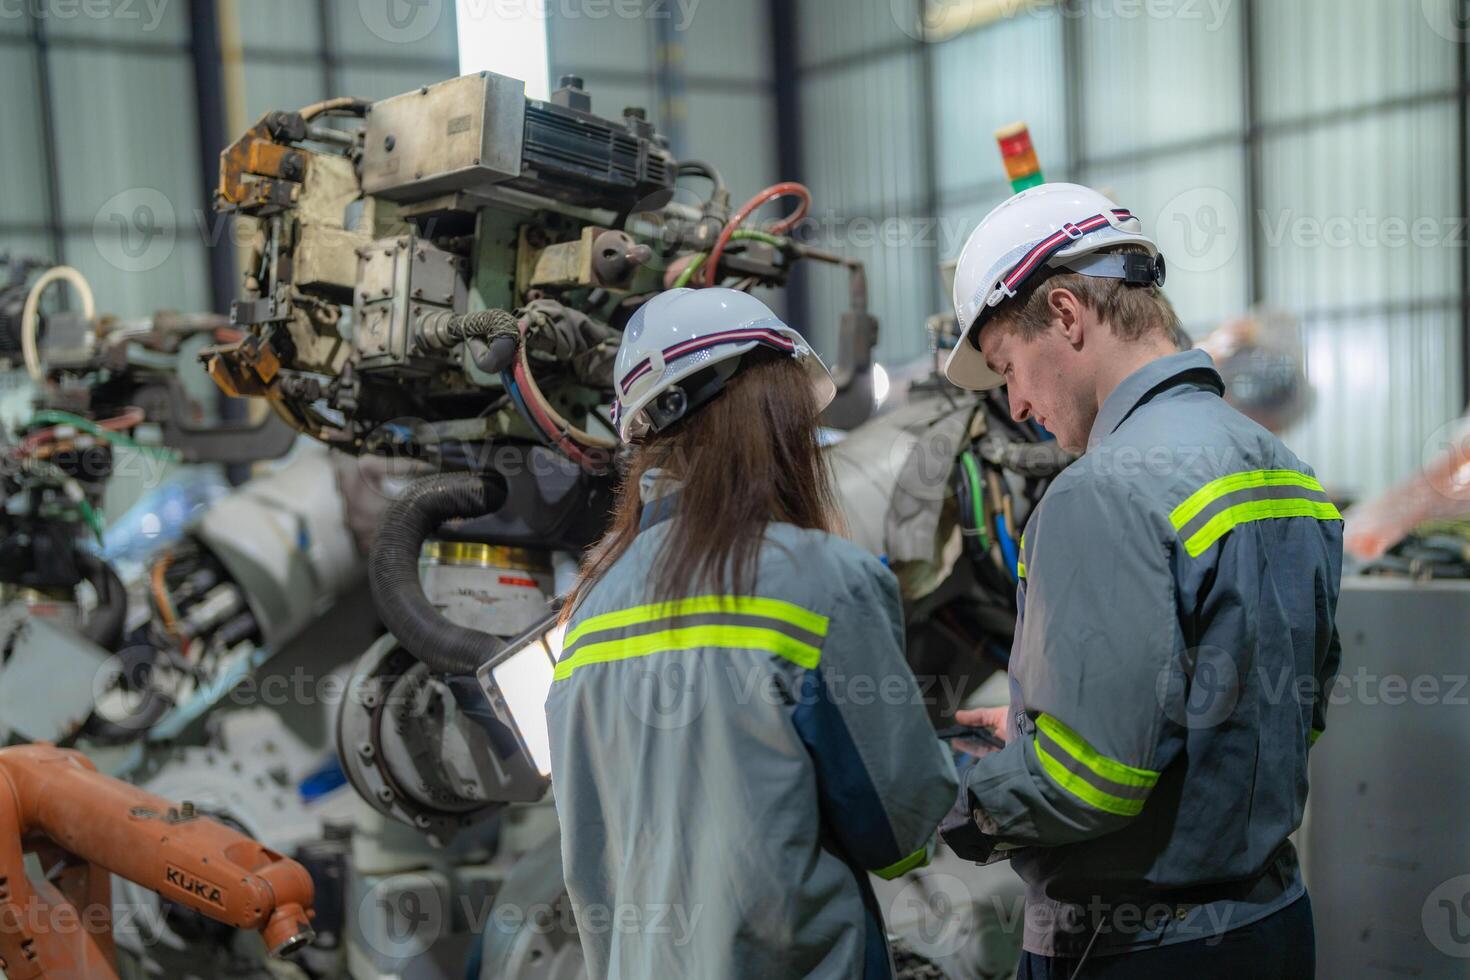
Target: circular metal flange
406 748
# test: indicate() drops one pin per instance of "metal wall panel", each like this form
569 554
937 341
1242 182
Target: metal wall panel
1159 73
863 157
126 281
731 130
831 29
126 123
1383 387
1321 55
901 275
863 145
961 213
272 85
22 152
279 25
25 244
152 21
1365 211
978 89
725 38
1193 206
579 44
389 27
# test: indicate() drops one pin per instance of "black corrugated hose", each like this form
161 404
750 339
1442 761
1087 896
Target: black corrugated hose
105 623
393 568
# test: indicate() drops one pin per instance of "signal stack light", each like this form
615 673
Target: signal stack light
1022 166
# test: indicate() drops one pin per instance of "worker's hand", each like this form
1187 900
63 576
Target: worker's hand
991 718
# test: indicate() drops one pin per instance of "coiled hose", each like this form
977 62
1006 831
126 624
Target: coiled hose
393 569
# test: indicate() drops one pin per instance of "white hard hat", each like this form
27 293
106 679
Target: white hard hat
1050 225
679 334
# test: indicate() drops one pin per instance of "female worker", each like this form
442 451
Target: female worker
736 737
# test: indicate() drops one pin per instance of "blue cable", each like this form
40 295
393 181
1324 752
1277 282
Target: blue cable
520 404
1007 545
321 782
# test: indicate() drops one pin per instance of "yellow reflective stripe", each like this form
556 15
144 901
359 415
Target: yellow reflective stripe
1020 568
786 612
1083 790
1216 489
1077 747
1316 734
1256 510
918 859
692 638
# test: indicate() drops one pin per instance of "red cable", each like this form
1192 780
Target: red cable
547 425
707 275
131 417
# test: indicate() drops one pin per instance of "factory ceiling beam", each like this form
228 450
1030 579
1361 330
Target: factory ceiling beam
786 77
44 95
209 91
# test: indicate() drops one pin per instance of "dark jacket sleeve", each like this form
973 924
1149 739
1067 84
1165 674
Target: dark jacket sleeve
1099 632
884 780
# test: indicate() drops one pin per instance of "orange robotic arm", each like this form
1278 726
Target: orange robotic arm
54 802
1441 491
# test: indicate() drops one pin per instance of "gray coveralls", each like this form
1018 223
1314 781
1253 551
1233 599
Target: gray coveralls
1169 674
729 768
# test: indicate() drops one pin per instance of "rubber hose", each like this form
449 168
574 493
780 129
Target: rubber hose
442 330
105 624
393 569
486 323
498 355
136 666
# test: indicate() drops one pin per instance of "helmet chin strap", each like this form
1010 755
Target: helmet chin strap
1132 268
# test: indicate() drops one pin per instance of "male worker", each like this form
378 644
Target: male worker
1179 583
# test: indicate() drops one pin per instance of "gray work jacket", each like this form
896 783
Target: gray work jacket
728 769
1168 676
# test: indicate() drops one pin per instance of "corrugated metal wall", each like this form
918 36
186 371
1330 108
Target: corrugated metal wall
1301 154
720 52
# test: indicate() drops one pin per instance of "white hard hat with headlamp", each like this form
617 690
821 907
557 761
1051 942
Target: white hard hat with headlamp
1049 228
681 348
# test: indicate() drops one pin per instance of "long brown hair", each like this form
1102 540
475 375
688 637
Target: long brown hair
745 459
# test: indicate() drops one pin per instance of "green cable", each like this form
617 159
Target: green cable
977 494
690 270
693 267
93 519
51 416
760 236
